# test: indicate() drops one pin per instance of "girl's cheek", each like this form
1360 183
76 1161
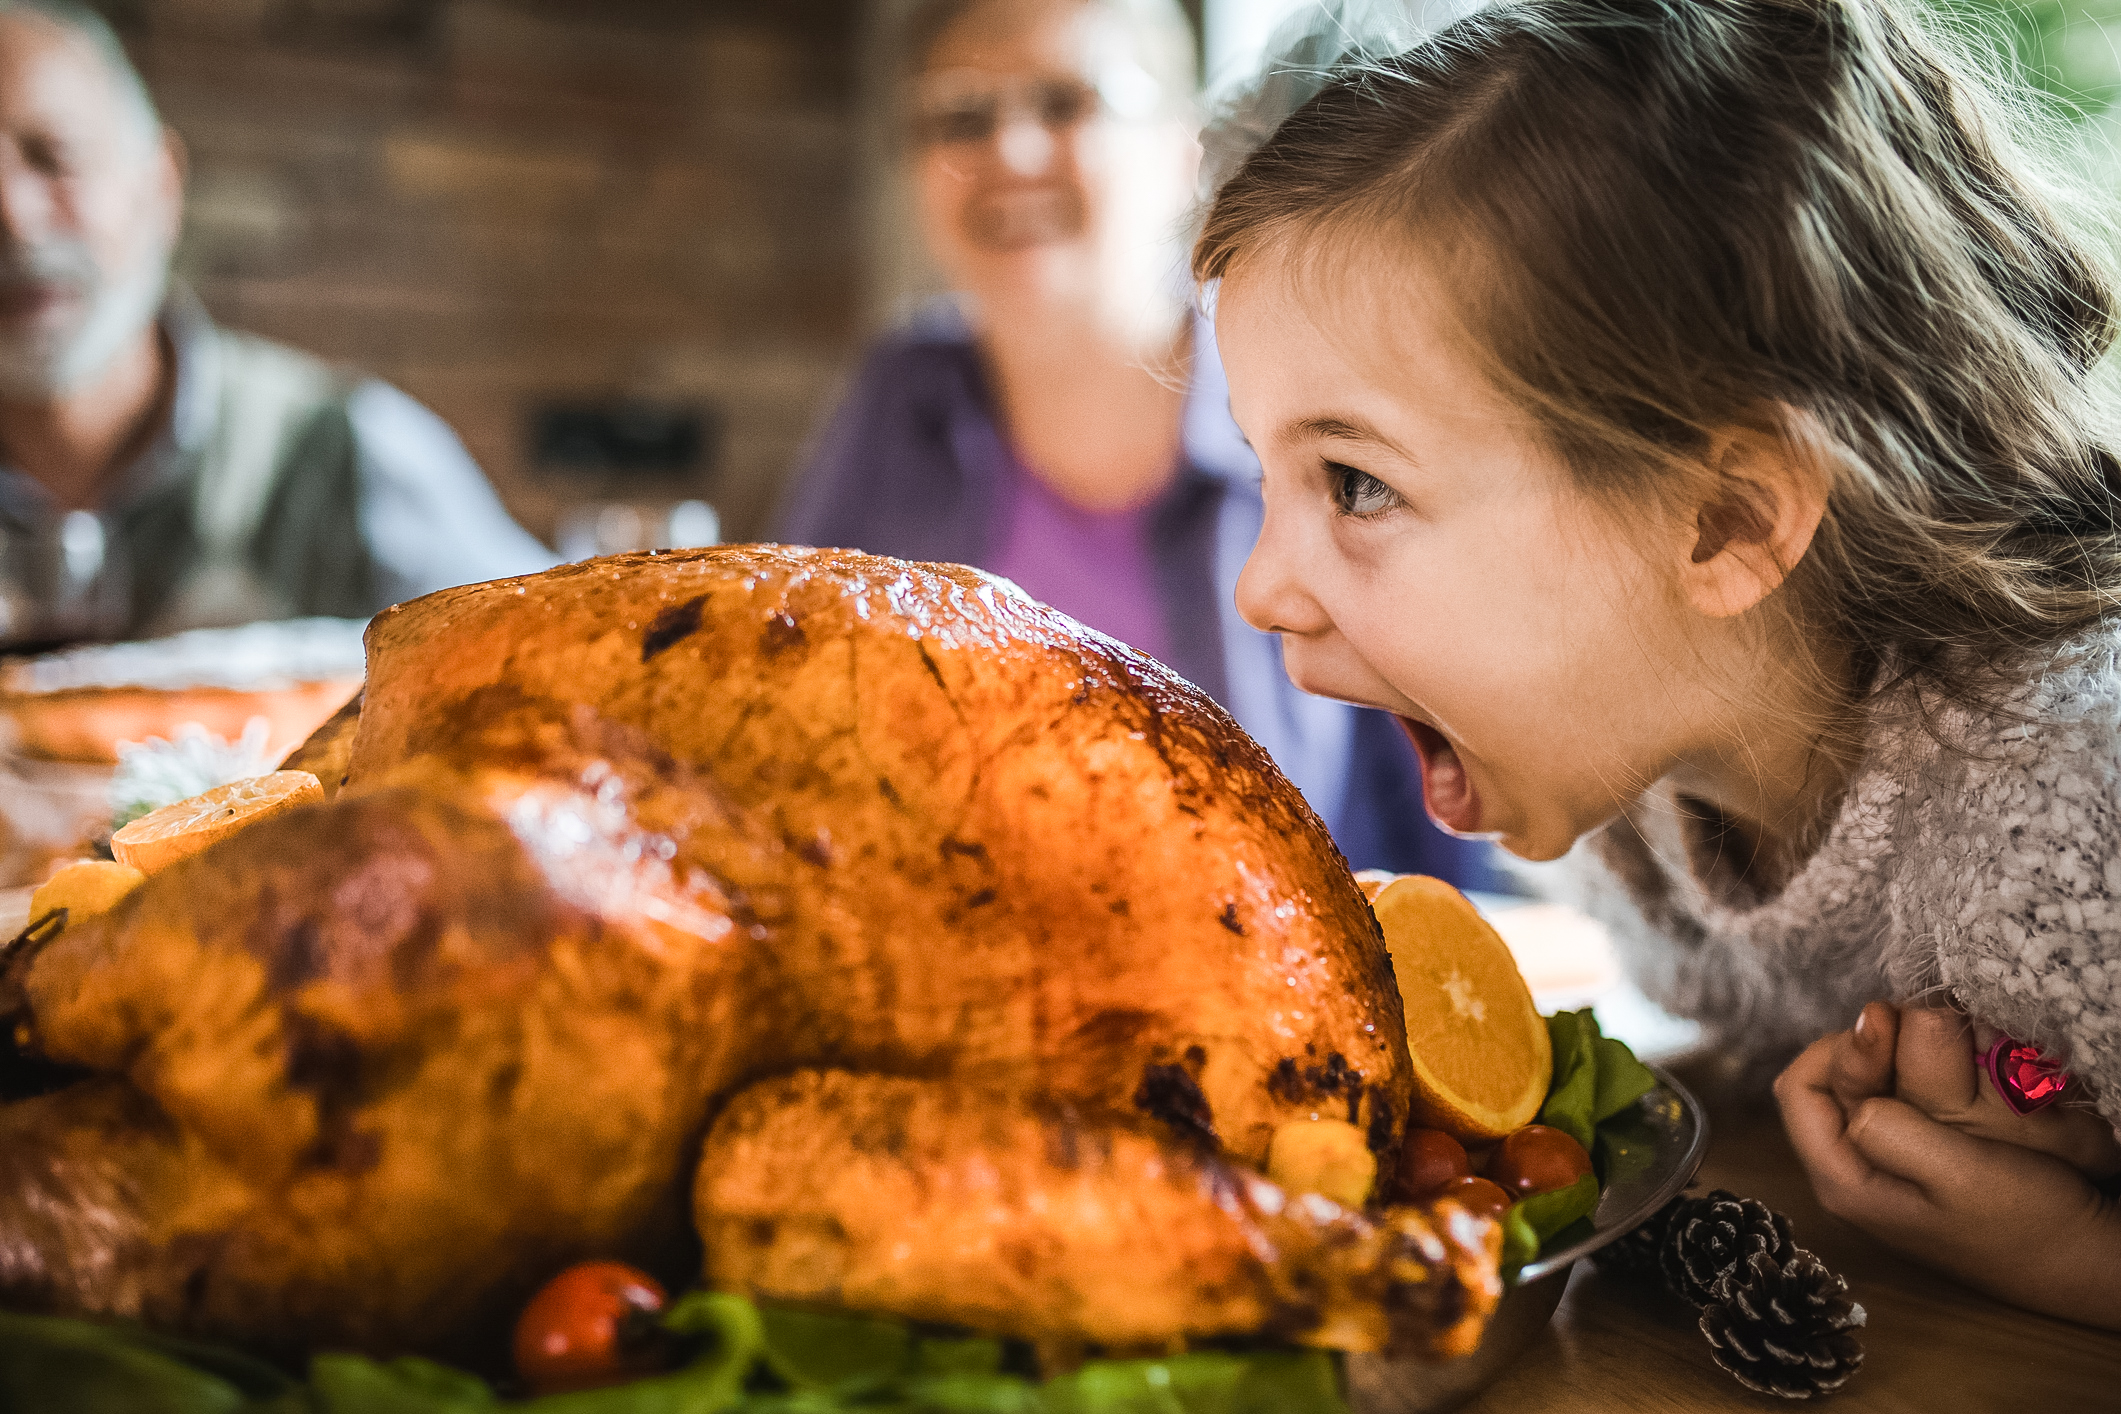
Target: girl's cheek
1381 559
1368 603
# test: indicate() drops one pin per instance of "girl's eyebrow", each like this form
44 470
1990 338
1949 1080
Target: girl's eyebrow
1336 428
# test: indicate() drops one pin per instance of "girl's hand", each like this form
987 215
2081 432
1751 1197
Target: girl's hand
2022 1225
1937 1069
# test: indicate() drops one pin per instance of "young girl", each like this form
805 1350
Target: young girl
1681 415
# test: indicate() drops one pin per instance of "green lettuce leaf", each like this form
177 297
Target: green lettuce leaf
1520 1243
1620 1081
1532 1223
1548 1213
254 1378
818 1350
1208 1382
58 1366
1572 1094
973 1355
967 1393
1596 1079
355 1384
728 1328
746 1361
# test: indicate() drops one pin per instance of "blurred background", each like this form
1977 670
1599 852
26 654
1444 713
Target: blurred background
624 247
617 244
633 252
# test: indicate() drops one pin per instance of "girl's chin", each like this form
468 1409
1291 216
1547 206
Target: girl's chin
1534 848
1543 835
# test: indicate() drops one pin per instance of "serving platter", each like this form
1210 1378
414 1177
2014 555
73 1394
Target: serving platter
1655 1150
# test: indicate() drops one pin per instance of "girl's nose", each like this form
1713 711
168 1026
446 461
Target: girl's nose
1271 591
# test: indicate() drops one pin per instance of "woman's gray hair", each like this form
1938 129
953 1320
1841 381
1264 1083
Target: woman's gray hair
1162 35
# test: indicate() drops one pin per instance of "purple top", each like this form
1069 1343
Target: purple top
1096 566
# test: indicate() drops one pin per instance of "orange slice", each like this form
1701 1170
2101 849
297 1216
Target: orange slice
1372 880
1482 1059
162 837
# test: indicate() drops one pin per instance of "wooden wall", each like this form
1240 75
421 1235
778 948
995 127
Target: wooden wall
496 202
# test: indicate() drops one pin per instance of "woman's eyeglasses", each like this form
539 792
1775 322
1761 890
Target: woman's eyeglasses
965 108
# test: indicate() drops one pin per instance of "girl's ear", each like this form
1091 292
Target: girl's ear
1767 497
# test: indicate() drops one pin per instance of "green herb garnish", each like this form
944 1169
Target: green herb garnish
1596 1079
745 1360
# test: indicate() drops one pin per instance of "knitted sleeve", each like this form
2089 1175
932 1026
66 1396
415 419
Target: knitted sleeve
1763 983
2015 875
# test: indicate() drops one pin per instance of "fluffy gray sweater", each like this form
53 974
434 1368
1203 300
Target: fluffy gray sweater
1979 851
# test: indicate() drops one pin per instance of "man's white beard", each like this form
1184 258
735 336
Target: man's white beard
47 364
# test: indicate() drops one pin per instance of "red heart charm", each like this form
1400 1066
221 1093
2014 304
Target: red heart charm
2026 1080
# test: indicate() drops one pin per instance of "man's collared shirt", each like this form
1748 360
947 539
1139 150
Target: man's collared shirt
416 516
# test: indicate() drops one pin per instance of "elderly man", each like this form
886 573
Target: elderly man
158 473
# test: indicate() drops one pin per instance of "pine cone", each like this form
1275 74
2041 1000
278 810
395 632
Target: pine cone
1784 1330
1708 1236
1639 1255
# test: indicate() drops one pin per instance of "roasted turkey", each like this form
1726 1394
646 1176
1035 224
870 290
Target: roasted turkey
859 929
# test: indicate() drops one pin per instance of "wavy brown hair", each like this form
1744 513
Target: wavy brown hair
1799 215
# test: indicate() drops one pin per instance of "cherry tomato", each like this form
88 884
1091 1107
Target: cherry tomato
1537 1159
1430 1159
1476 1196
593 1324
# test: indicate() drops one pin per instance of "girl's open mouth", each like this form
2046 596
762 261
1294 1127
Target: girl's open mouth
1445 787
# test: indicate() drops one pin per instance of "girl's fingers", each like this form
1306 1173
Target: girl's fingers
1938 1072
1863 1062
1848 1184
1965 1175
2002 1217
2091 1144
1813 1070
1897 1138
1933 1063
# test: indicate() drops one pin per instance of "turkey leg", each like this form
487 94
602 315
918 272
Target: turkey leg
1031 1219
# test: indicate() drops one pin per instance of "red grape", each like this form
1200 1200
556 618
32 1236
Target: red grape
1430 1159
1537 1159
593 1324
1476 1196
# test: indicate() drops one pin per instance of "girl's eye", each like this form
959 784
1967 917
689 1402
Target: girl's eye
1359 494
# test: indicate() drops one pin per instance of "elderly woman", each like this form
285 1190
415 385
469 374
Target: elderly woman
1064 422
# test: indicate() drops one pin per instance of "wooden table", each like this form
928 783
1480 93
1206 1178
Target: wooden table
1932 1346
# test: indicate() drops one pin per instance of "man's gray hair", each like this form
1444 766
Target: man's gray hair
95 31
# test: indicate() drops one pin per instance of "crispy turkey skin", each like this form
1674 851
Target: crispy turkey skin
937 923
